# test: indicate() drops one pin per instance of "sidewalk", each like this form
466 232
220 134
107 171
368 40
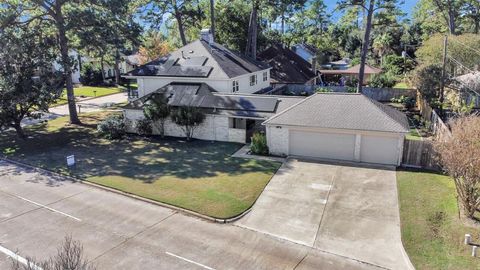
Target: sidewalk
89 105
92 105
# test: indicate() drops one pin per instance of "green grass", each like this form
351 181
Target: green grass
413 135
88 91
200 176
402 85
431 230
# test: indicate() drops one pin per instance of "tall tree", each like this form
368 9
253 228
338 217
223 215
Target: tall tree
450 10
27 83
252 36
212 17
472 13
370 7
185 12
65 18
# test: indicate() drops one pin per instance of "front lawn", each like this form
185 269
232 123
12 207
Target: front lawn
431 230
88 91
200 176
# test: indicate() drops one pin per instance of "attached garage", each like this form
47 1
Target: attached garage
322 145
339 126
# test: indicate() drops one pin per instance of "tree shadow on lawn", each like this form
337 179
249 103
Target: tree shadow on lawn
145 159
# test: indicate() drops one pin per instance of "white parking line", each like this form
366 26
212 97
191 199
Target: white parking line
46 207
18 258
190 261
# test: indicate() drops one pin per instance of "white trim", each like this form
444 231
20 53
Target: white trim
18 258
190 261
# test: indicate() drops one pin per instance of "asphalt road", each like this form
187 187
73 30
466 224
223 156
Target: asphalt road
37 211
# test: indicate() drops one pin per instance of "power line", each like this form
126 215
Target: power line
466 46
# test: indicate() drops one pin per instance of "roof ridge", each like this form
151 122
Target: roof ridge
289 108
378 105
213 58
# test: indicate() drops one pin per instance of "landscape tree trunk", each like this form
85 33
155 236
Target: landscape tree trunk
178 17
67 68
102 67
366 42
18 128
117 68
212 18
252 32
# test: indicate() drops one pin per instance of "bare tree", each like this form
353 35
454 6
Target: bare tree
69 257
460 158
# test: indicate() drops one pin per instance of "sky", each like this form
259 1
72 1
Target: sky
407 7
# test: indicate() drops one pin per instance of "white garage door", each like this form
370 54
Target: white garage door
322 145
376 149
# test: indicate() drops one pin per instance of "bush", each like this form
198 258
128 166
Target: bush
427 80
384 80
259 144
144 127
90 76
112 128
323 90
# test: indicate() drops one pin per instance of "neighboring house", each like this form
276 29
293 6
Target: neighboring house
78 59
352 72
229 117
339 126
307 52
339 64
127 64
203 61
287 67
464 90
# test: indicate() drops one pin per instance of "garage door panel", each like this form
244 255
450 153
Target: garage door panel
378 149
322 145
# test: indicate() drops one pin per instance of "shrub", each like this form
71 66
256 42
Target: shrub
188 118
259 144
427 80
323 90
112 128
384 80
144 127
90 76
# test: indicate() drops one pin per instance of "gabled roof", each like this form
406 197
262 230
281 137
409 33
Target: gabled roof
342 111
203 96
352 70
200 59
287 66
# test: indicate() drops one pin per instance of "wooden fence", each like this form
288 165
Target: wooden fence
419 154
438 127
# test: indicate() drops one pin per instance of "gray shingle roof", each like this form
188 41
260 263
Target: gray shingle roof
342 111
202 96
199 59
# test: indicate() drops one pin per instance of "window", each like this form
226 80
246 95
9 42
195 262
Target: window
235 86
265 76
253 80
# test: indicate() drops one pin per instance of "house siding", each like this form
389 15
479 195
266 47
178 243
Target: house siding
214 128
147 85
277 140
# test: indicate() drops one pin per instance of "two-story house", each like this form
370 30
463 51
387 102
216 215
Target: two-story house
203 61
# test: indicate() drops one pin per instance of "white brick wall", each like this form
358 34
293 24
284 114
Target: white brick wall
213 128
277 140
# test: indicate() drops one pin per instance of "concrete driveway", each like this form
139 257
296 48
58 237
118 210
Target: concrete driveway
345 210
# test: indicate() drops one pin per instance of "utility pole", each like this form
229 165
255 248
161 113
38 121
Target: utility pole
444 65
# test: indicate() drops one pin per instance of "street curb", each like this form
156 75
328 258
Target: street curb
130 195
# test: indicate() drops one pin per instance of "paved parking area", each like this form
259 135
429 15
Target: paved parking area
346 210
38 210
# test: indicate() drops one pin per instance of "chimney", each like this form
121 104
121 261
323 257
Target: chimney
206 35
